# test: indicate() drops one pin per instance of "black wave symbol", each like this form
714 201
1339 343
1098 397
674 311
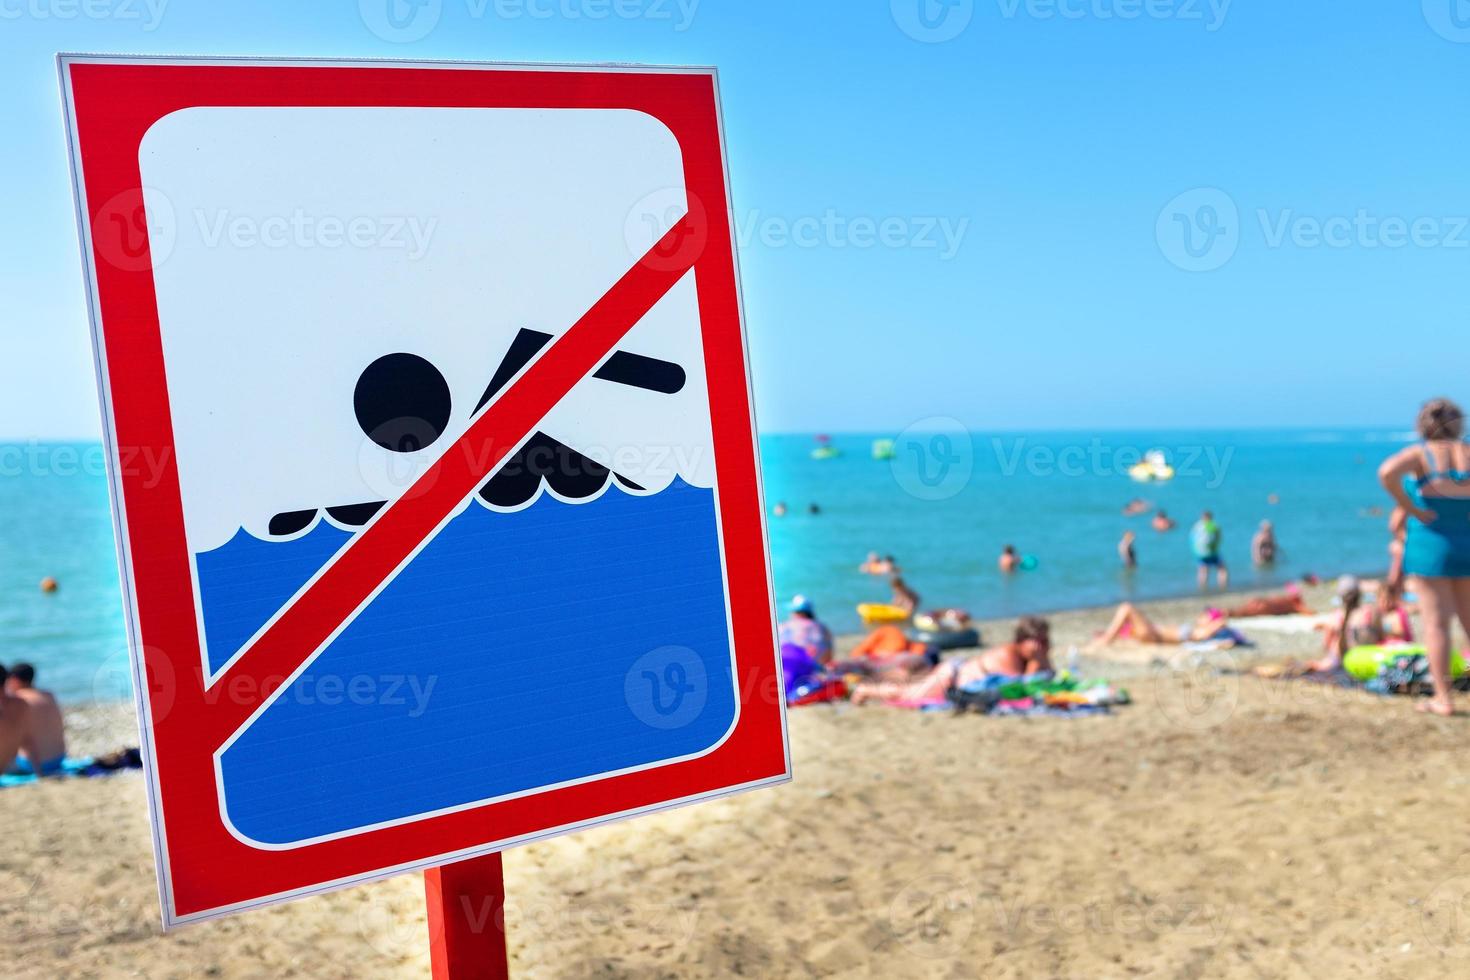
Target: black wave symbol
569 473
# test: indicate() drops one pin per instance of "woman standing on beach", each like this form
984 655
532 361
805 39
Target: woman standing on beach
1431 482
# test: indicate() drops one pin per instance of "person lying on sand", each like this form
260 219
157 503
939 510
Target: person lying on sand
15 723
1027 654
889 654
44 747
1290 603
1130 623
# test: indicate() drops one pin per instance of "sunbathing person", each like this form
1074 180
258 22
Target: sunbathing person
44 747
1130 623
1289 604
15 724
887 652
1026 655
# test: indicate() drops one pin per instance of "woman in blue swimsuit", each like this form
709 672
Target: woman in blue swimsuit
1431 482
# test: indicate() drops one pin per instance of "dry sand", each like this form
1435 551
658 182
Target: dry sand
1220 826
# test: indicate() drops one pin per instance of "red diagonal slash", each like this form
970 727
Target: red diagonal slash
387 544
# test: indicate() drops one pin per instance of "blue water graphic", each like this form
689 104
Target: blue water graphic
248 580
515 651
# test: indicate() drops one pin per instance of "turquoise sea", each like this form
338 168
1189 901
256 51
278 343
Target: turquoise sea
944 506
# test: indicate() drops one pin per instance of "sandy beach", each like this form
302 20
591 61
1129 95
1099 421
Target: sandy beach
1221 825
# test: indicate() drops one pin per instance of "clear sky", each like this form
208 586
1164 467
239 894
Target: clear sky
1093 213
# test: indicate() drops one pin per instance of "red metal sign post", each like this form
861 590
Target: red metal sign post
466 904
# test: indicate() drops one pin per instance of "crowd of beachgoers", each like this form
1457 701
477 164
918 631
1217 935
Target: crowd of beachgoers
1370 635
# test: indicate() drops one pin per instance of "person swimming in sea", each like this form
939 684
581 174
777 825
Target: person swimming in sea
878 565
1162 521
1264 546
1127 551
1135 507
1430 482
1008 561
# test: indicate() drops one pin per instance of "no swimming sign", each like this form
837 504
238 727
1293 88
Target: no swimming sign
458 540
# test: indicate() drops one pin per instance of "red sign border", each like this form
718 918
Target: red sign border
110 102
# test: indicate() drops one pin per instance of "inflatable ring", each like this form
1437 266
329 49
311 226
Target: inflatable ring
878 612
1363 663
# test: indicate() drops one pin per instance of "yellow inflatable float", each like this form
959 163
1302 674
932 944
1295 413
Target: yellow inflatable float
879 612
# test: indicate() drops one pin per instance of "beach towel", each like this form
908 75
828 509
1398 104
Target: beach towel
1295 624
80 767
1226 639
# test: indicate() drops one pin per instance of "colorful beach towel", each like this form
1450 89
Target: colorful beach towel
79 767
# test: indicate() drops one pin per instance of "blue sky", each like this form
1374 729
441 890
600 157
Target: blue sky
1095 213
